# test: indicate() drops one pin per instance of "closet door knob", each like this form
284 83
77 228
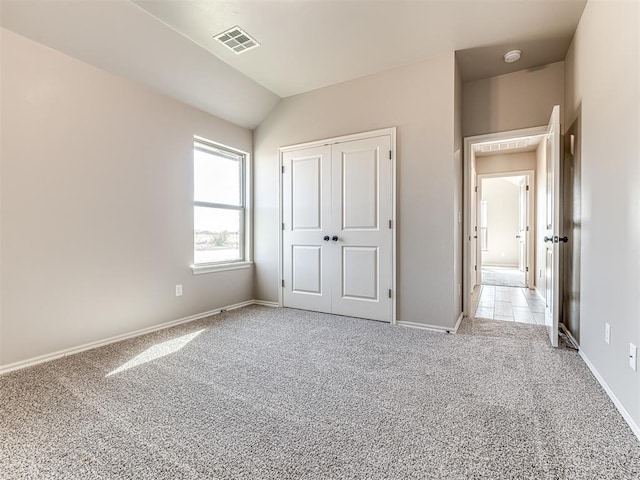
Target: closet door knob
326 238
334 238
548 239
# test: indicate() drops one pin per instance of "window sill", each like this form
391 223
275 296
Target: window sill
221 267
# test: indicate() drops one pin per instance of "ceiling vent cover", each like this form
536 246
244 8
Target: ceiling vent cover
504 145
237 40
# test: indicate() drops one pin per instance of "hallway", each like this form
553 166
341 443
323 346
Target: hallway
511 304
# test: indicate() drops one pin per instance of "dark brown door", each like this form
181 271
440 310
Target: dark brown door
570 251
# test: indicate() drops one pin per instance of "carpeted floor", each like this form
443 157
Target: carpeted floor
264 393
502 276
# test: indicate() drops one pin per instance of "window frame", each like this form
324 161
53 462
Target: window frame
244 234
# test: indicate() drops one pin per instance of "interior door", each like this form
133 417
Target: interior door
361 228
306 215
475 239
551 239
337 239
523 215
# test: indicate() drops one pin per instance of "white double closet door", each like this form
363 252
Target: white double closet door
337 211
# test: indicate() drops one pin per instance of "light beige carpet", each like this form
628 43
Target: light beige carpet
264 393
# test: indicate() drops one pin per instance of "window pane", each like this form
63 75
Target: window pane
217 178
217 235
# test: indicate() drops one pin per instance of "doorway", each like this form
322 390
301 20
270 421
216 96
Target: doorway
548 205
501 280
505 226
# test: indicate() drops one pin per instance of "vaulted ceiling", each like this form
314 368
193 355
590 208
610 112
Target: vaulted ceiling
305 44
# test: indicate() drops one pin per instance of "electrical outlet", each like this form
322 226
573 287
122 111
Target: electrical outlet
633 357
607 333
178 290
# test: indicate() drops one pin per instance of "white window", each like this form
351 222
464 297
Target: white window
219 207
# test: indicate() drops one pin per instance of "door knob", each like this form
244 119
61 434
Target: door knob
517 236
564 239
548 239
334 238
326 238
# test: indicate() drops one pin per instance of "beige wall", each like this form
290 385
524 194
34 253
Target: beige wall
603 78
511 162
457 194
418 100
512 101
96 192
503 222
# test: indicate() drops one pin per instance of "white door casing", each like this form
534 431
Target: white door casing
468 179
551 235
337 213
474 271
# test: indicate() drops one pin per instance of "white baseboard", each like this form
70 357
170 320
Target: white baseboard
623 411
264 303
423 326
100 343
458 322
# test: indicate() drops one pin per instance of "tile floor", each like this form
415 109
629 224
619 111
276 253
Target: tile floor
512 304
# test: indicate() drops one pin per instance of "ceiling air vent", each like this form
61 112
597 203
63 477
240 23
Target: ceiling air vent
237 40
504 145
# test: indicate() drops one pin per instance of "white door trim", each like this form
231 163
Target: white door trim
391 131
468 145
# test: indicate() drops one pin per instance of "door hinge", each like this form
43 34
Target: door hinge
389 154
475 268
282 169
527 228
475 227
282 283
476 189
527 188
389 293
282 225
526 269
390 224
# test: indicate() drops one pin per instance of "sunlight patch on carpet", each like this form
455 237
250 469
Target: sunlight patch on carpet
157 351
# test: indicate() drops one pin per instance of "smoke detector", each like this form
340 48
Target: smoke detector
512 56
237 40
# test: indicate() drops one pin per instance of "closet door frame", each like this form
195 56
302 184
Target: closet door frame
391 131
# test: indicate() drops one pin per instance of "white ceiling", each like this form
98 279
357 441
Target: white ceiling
306 44
312 44
120 37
